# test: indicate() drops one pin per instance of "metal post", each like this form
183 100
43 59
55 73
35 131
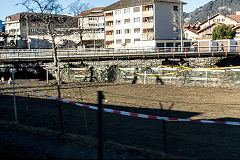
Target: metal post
158 53
47 76
212 52
164 132
100 127
59 103
14 98
226 52
145 76
113 54
199 54
173 52
164 136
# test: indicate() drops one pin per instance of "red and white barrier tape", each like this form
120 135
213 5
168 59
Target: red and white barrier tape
131 114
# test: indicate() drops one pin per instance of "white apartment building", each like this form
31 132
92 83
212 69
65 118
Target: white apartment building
91 25
141 24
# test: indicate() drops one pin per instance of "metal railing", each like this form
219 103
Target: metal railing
17 54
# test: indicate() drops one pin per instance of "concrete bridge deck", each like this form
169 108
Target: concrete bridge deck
9 56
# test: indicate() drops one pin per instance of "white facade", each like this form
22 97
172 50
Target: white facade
127 27
188 34
140 26
219 18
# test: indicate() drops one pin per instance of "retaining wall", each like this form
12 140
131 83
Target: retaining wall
152 72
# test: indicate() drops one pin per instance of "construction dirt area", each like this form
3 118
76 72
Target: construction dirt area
189 140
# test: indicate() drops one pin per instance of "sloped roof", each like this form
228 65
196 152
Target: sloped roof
131 3
91 10
214 24
192 30
234 17
15 17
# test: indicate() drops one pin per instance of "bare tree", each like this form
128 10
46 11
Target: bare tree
48 12
77 8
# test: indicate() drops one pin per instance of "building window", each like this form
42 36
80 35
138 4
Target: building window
223 20
127 31
118 12
136 9
110 23
148 8
175 8
126 10
127 41
118 32
148 19
136 30
126 21
136 19
136 40
118 22
150 30
118 41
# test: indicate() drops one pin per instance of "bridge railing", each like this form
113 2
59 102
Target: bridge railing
170 51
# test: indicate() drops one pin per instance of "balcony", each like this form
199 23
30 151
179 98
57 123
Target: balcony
109 28
109 37
148 36
148 13
148 25
109 18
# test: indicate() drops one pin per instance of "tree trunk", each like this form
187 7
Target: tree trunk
55 58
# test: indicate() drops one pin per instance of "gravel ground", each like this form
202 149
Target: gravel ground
188 140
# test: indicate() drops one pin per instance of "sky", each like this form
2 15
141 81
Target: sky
9 7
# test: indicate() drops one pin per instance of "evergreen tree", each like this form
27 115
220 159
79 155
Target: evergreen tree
223 32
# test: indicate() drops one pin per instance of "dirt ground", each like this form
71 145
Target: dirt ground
184 139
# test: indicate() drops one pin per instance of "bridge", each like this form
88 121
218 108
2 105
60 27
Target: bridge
37 55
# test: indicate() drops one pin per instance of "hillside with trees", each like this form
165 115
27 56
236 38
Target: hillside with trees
211 8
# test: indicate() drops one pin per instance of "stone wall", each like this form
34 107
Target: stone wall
150 72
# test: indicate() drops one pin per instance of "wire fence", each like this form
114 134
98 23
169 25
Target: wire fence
184 139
